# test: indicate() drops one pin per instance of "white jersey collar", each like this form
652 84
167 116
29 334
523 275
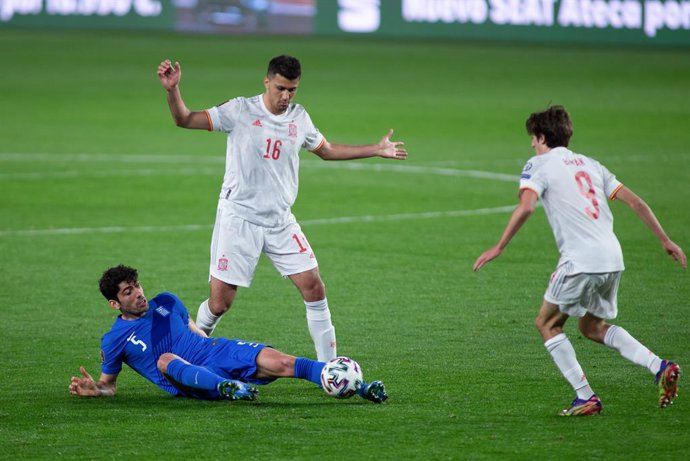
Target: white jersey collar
269 113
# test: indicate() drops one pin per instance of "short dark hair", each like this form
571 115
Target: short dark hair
287 66
109 283
553 123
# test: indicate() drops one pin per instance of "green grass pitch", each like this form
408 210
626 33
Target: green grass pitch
94 173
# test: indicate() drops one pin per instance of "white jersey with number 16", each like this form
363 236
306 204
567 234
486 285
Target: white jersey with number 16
262 158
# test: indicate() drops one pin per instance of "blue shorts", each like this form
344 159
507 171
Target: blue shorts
231 359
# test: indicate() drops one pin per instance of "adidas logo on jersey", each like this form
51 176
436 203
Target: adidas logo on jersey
257 123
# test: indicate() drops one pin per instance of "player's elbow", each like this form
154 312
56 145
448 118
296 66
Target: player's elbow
182 122
527 209
163 361
325 151
638 205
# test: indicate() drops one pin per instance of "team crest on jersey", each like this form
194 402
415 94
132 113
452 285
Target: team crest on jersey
223 264
525 171
258 123
163 311
292 130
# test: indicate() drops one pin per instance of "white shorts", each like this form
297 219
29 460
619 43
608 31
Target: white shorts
237 245
577 294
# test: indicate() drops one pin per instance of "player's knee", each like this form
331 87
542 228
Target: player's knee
164 360
539 323
272 363
220 305
286 364
315 290
546 326
593 330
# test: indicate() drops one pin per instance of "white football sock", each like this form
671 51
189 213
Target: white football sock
563 354
205 320
618 338
321 330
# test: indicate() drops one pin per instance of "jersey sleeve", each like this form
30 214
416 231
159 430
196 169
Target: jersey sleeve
112 360
611 184
532 177
313 139
224 116
181 310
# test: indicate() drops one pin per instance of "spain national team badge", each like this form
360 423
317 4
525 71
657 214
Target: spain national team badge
222 264
292 130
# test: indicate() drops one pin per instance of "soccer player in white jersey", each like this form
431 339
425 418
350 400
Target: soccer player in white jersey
574 190
265 134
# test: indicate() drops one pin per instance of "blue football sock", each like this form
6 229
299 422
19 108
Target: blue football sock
309 370
193 376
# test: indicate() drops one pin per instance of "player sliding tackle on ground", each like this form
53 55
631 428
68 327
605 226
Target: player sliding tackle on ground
160 341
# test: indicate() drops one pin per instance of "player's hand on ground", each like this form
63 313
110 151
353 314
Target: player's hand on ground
485 257
389 149
676 253
83 386
169 74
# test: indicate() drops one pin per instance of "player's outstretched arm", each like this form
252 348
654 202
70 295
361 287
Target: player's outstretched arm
169 76
385 148
85 386
647 216
528 202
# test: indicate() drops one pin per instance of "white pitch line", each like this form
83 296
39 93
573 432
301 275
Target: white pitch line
170 160
40 176
110 158
308 222
396 167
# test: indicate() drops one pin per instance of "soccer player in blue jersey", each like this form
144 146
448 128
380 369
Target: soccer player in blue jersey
160 341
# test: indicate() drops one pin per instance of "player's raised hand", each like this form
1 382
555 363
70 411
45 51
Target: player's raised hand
389 149
169 74
83 386
676 253
488 255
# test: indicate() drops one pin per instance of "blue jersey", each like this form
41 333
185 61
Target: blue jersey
165 328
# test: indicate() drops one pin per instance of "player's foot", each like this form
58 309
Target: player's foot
375 391
581 407
237 390
667 380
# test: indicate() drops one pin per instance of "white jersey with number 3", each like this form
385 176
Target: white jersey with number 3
262 158
574 190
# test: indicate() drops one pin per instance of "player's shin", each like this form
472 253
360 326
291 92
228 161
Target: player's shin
563 355
309 370
321 329
192 375
619 339
205 320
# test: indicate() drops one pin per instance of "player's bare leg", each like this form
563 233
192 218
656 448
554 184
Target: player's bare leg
271 363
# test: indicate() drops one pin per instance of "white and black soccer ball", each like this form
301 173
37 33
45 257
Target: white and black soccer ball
341 377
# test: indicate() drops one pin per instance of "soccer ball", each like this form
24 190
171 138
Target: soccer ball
341 377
